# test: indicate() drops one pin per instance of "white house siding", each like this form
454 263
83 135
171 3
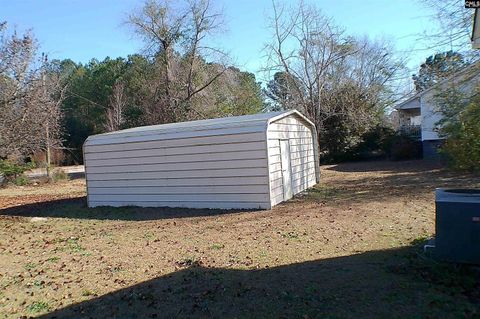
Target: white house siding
430 112
303 167
430 117
224 167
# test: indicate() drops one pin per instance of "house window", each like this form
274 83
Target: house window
416 120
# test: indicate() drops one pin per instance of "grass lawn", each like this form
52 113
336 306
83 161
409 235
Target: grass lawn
349 248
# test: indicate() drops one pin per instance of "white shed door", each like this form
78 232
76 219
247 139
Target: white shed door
286 169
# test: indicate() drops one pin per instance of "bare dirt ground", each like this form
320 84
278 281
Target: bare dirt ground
346 249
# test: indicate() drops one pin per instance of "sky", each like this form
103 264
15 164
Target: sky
86 29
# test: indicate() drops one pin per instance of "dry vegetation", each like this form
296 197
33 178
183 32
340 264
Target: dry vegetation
344 250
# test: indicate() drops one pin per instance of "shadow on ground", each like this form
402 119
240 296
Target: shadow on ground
77 208
378 284
76 175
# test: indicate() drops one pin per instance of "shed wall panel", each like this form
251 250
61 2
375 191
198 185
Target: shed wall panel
165 136
174 182
180 166
302 157
200 173
185 158
206 189
194 141
228 147
224 170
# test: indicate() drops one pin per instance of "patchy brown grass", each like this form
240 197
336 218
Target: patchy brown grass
343 250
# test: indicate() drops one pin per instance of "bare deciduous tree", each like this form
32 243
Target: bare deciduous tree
325 74
18 78
47 105
452 24
117 105
175 35
30 98
305 46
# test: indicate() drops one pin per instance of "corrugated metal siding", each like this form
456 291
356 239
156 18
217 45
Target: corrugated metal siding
215 168
302 155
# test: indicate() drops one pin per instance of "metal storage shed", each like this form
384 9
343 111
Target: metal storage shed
252 161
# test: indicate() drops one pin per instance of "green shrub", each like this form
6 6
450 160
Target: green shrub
462 146
380 137
373 144
376 143
11 171
460 126
21 180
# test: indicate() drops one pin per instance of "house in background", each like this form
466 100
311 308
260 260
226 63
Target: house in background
419 115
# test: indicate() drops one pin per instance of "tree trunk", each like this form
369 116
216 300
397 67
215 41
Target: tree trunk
48 157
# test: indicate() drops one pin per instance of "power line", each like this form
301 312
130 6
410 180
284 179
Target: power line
86 99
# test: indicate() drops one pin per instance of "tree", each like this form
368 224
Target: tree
340 83
124 92
459 126
237 94
175 36
87 100
306 45
451 24
247 95
30 97
437 67
280 91
117 106
48 103
18 83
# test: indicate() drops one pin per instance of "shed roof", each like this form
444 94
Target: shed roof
255 120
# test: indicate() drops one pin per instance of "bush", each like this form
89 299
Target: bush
462 147
21 180
460 126
11 171
373 144
376 143
404 148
